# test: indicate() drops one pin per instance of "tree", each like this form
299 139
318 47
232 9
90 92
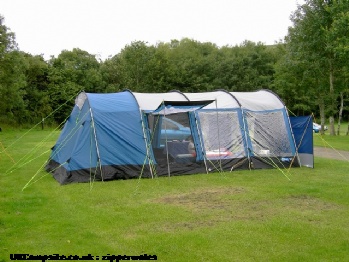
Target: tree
339 36
36 97
12 78
245 67
70 73
290 78
191 65
131 66
311 42
7 39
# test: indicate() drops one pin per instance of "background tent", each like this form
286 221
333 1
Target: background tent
127 134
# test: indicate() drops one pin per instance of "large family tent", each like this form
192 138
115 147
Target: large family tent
127 135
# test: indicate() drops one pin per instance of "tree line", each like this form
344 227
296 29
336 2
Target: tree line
308 70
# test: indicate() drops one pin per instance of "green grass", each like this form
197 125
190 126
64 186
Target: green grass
338 142
241 216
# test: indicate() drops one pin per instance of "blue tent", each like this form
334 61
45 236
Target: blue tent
302 127
127 135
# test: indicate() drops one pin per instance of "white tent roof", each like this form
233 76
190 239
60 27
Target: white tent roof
224 99
256 101
151 101
259 100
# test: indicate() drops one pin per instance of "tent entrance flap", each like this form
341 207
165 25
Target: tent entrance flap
302 127
173 144
165 129
175 107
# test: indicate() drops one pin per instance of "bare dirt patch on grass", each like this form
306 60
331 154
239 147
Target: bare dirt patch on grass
202 199
221 205
306 202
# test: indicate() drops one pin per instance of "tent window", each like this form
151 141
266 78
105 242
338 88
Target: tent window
268 133
221 133
168 124
170 135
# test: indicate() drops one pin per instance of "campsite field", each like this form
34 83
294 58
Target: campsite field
258 215
337 142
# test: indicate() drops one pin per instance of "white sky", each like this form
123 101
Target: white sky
104 27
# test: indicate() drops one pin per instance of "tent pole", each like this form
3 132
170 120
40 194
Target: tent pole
97 148
247 137
200 140
219 139
167 158
147 146
294 140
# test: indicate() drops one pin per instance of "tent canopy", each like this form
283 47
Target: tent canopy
175 107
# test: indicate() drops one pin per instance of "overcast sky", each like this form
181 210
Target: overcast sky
104 27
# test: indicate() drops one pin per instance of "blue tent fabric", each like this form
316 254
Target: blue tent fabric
302 127
98 134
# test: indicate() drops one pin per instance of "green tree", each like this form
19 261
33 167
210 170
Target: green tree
312 40
134 67
290 78
339 36
245 67
12 78
36 97
12 88
191 65
110 76
70 73
7 38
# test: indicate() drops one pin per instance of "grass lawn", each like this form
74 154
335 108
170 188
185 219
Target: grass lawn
256 215
340 142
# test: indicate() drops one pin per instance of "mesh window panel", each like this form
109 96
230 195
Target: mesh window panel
173 127
221 134
268 133
171 138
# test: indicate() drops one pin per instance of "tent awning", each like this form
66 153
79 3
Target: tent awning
174 107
